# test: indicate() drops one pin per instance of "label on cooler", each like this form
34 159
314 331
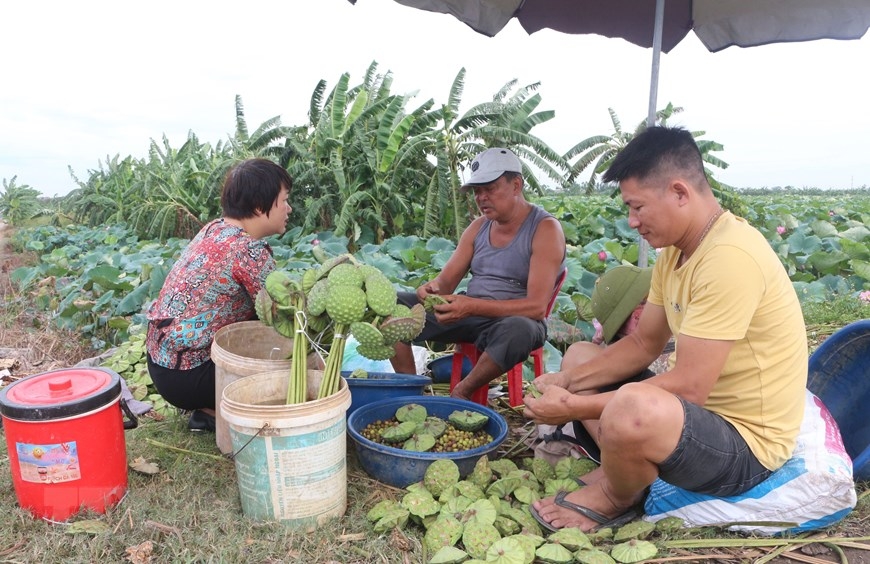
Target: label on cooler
49 463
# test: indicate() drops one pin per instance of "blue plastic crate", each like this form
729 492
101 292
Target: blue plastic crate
839 374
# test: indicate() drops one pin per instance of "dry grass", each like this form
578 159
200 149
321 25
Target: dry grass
190 510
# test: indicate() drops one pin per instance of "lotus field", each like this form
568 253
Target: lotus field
98 281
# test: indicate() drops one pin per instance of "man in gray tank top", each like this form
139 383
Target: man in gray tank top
514 252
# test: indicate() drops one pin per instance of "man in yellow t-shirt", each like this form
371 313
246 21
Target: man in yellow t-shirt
727 413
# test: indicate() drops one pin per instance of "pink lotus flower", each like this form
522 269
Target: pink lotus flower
315 242
780 229
865 297
831 213
602 255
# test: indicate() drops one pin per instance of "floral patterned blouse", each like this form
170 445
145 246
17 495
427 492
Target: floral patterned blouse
212 284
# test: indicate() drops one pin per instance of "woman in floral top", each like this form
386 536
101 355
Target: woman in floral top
213 284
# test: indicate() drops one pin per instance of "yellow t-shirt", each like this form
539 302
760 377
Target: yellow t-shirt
734 288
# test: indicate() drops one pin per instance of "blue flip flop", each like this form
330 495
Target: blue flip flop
603 521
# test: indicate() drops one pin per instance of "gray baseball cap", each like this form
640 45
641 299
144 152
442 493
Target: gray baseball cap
490 164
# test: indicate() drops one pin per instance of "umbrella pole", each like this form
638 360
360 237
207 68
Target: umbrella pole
653 100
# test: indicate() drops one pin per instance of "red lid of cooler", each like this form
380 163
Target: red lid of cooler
63 392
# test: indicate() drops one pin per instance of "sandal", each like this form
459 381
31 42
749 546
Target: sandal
628 516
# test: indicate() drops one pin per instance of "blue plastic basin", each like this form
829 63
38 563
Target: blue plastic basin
441 367
401 468
383 385
839 374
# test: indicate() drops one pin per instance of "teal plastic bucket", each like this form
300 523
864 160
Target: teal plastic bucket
291 460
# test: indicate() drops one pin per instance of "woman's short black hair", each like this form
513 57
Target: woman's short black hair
252 186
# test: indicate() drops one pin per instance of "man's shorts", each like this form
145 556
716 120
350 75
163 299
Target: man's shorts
711 456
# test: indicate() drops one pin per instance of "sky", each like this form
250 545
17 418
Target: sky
86 81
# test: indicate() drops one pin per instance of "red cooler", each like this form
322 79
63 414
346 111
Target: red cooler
65 435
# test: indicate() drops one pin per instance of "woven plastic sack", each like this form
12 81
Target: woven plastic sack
812 490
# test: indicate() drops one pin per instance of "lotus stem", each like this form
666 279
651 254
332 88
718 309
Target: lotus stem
332 372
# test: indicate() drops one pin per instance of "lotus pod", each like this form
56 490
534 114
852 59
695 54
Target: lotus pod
399 329
501 505
279 285
377 352
431 300
380 294
635 530
419 443
553 553
526 495
440 475
399 433
345 274
434 426
529 543
345 304
481 511
327 264
359 374
600 534
319 254
381 508
507 551
524 518
470 490
593 556
455 506
401 310
669 525
415 487
541 468
556 485
446 530
570 467
263 306
503 487
503 466
467 420
633 551
309 278
478 537
315 299
412 412
449 555
367 334
420 503
481 476
392 519
527 477
284 326
572 538
507 526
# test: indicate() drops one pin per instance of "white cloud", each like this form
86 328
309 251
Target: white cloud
92 79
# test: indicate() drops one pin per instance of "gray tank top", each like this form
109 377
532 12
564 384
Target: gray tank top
502 273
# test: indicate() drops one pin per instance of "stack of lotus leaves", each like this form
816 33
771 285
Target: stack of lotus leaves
485 517
324 304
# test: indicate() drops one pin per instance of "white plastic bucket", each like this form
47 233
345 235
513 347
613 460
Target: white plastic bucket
291 460
240 350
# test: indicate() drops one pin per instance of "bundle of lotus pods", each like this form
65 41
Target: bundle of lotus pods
339 296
